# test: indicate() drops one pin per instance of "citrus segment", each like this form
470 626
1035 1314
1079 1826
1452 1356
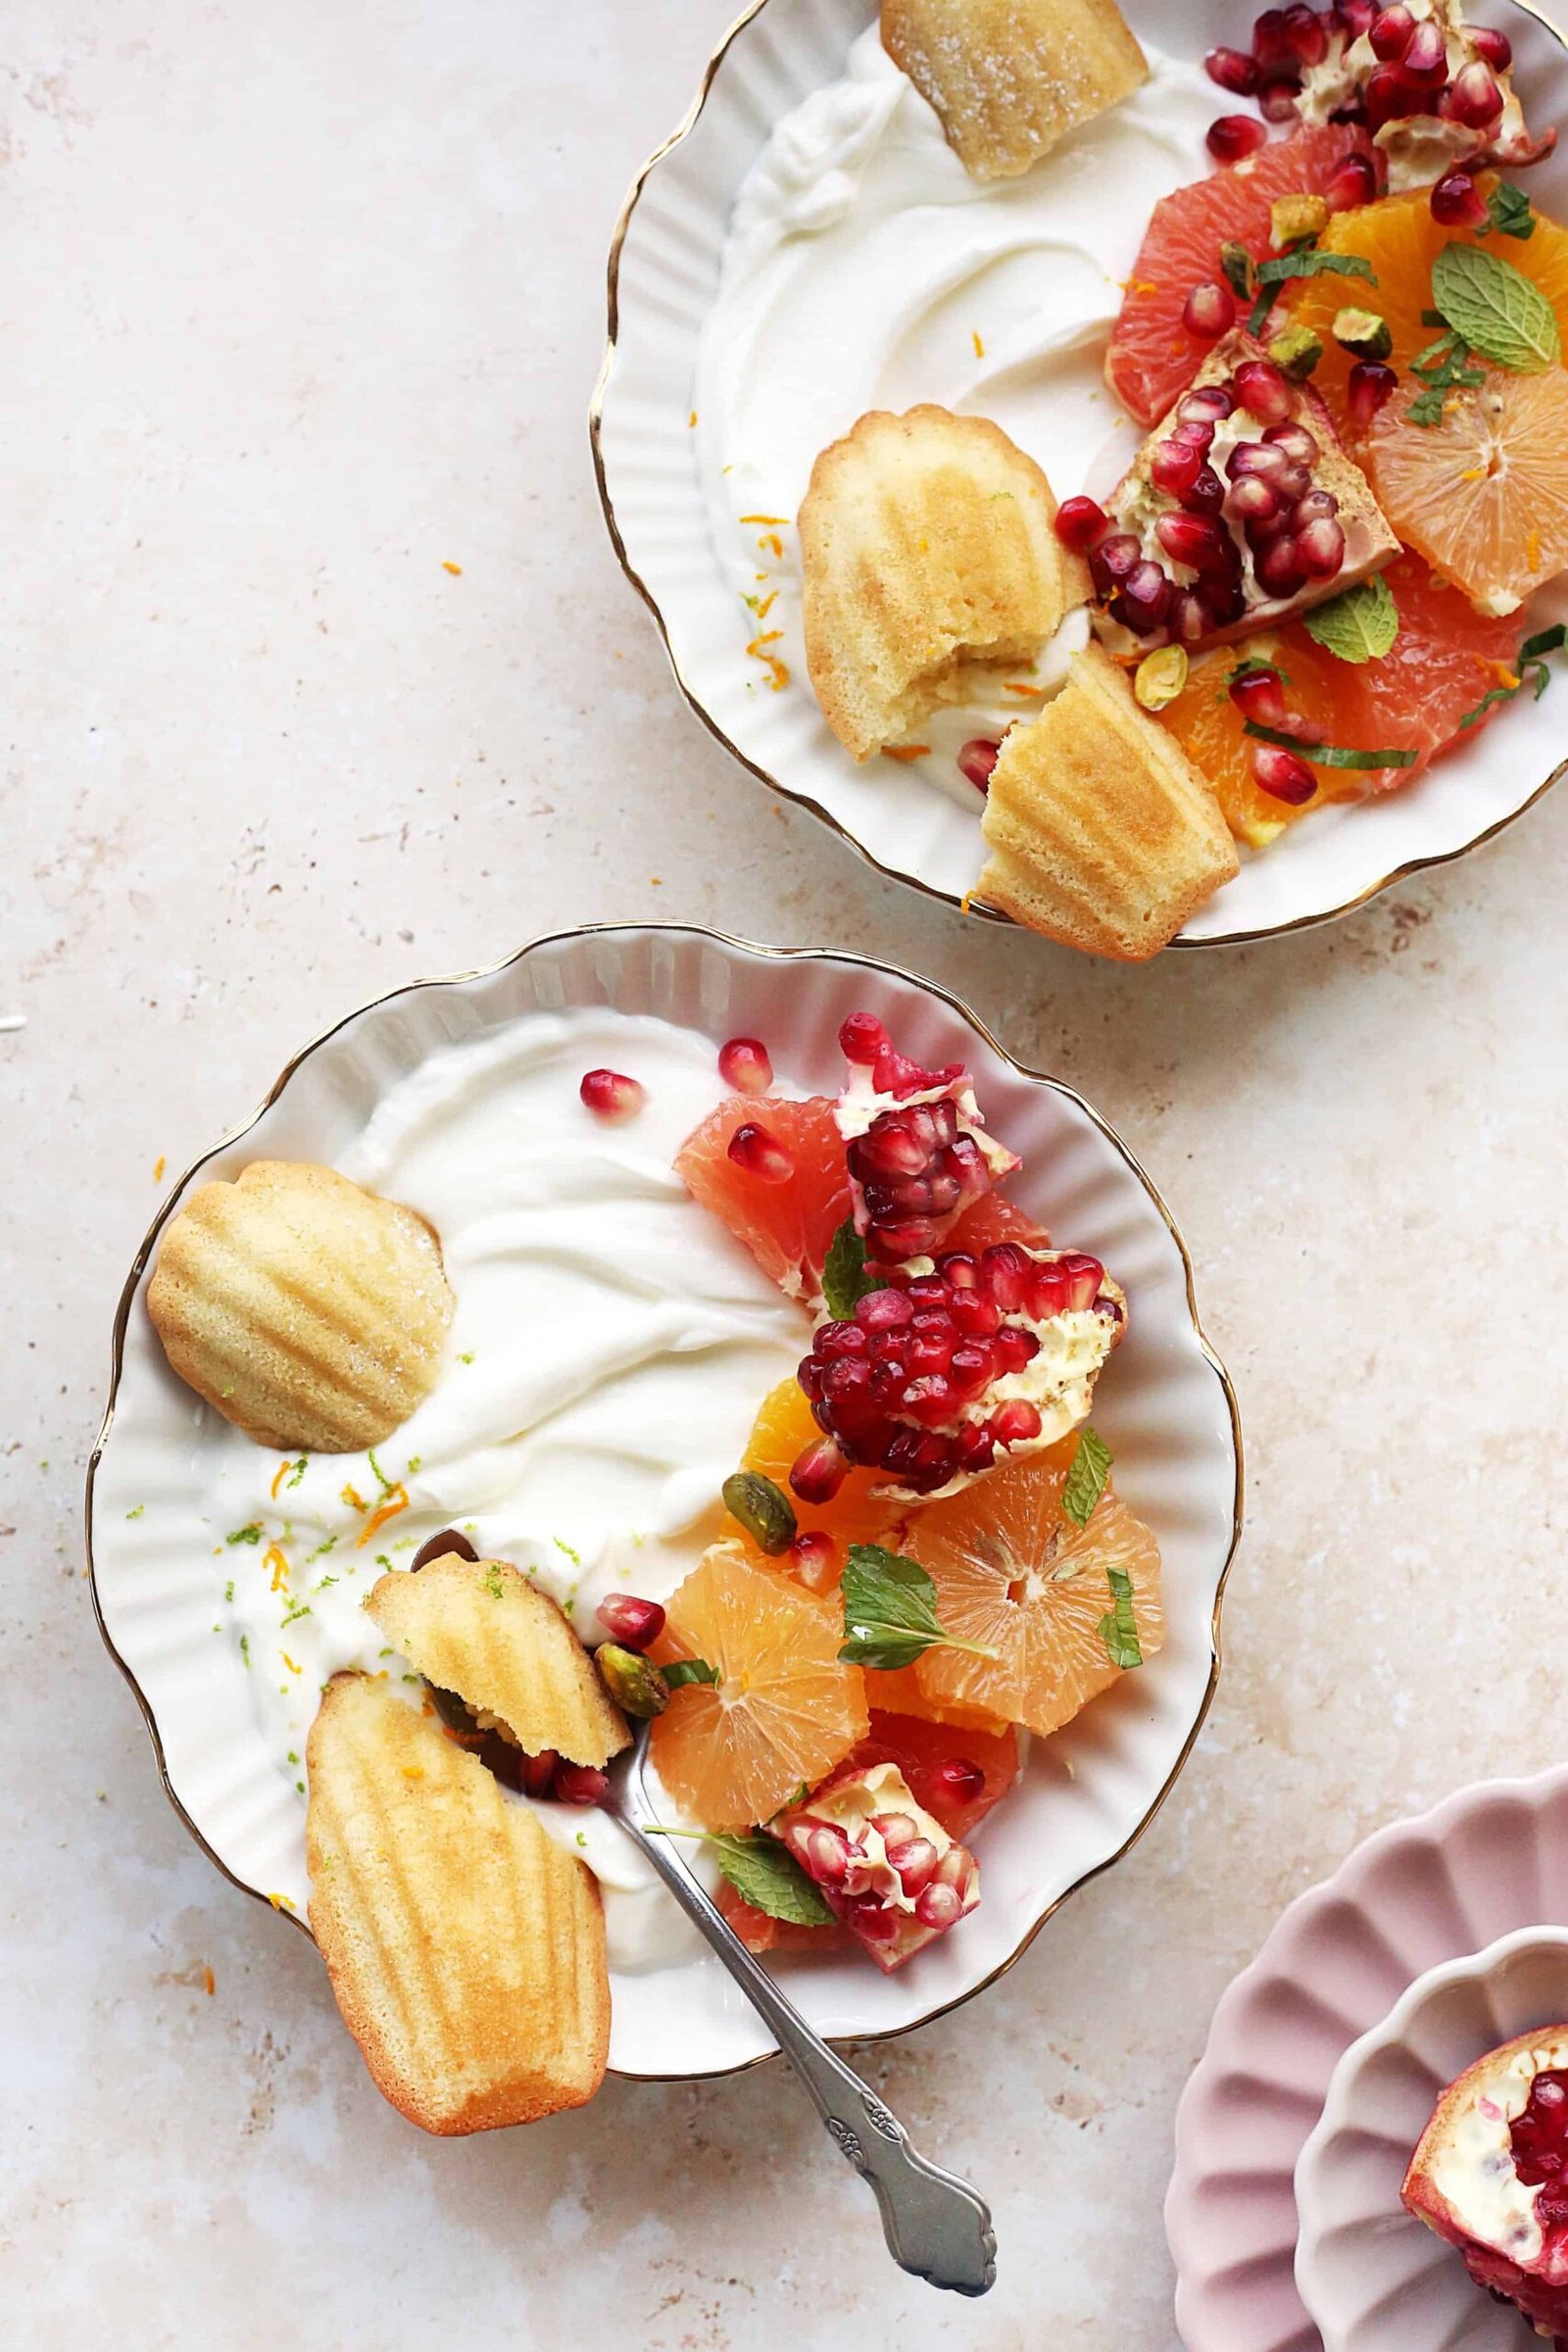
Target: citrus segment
1482 494
759 1931
924 1752
781 1432
783 1710
992 1220
786 1226
901 1692
1016 1576
1152 354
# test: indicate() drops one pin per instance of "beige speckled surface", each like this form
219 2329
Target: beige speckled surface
298 306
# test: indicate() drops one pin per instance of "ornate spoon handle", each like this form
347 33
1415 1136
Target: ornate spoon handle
936 2224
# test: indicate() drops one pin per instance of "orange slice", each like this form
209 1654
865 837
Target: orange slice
1483 494
1015 1575
782 1431
784 1709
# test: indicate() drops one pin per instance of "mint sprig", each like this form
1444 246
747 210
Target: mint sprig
1118 1628
688 1669
1360 625
844 1280
890 1616
1086 1480
767 1876
1495 309
1530 664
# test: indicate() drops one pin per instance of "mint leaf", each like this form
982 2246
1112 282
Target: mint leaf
1360 625
1330 755
1511 213
1086 1480
845 1279
1495 309
688 1669
768 1876
890 1616
1118 1629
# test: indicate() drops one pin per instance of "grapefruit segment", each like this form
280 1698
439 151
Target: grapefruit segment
1151 355
786 1226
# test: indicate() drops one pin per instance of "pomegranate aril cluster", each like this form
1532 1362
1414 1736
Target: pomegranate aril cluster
902 1387
941 1886
1540 2146
915 1168
1408 73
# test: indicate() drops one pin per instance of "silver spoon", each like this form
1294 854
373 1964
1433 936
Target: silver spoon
935 2224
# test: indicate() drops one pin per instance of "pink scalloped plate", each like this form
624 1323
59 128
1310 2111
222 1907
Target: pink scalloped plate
1492 1858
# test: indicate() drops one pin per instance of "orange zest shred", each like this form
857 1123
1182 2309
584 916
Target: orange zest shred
768 604
455 570
395 1499
1532 550
277 1477
772 542
979 346
774 521
288 1661
1507 678
276 1560
413 1772
208 1981
159 1165
778 674
905 751
282 1903
1020 686
355 1502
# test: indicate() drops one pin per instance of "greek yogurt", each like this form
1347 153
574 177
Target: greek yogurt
611 1346
864 269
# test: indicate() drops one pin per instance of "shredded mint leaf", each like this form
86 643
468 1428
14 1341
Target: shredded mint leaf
1358 627
845 1279
1444 367
1118 1629
1086 1480
1305 262
1511 213
1495 309
1549 641
768 1876
1529 663
890 1616
1330 755
688 1669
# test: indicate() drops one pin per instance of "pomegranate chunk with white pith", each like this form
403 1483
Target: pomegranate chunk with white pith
935 1377
1240 511
1490 2175
885 1866
917 1151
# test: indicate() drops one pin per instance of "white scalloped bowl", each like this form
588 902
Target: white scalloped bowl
1167 1412
1374 2279
664 272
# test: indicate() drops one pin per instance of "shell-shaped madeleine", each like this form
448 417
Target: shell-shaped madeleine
931 568
1011 78
1101 832
309 1312
480 1629
466 1947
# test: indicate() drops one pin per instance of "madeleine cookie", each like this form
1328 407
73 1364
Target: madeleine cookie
310 1313
1101 832
480 1629
1011 78
931 569
466 1947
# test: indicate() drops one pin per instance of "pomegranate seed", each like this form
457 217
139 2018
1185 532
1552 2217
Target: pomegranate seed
939 1907
884 1311
916 1861
1458 203
1233 69
1263 392
824 1852
744 1064
1353 184
1495 49
959 1781
1113 558
1175 465
1318 506
1082 1275
611 1096
1191 619
1389 97
1320 548
1306 34
1259 696
1192 433
1210 310
894 1828
760 1154
1282 776
538 1773
1390 35
581 1784
1234 137
1358 16
1252 500
1368 386
1272 40
1474 97
1279 101
635 1624
1295 441
1206 495
1193 539
1015 1422
819 1471
1080 522
1425 62
1209 404
1144 598
1280 570
862 1038
873 1922
976 761
812 1557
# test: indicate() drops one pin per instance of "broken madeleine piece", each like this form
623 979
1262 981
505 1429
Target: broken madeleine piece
1101 832
480 1629
1011 78
465 1946
931 567
309 1312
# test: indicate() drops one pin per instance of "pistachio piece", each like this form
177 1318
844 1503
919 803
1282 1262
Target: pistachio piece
1296 353
1160 677
765 1510
633 1682
1363 332
1292 218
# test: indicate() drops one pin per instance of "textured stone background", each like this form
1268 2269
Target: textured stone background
297 304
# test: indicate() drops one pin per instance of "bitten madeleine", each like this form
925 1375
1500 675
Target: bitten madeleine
480 1629
305 1311
931 569
466 1947
1101 832
1011 78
